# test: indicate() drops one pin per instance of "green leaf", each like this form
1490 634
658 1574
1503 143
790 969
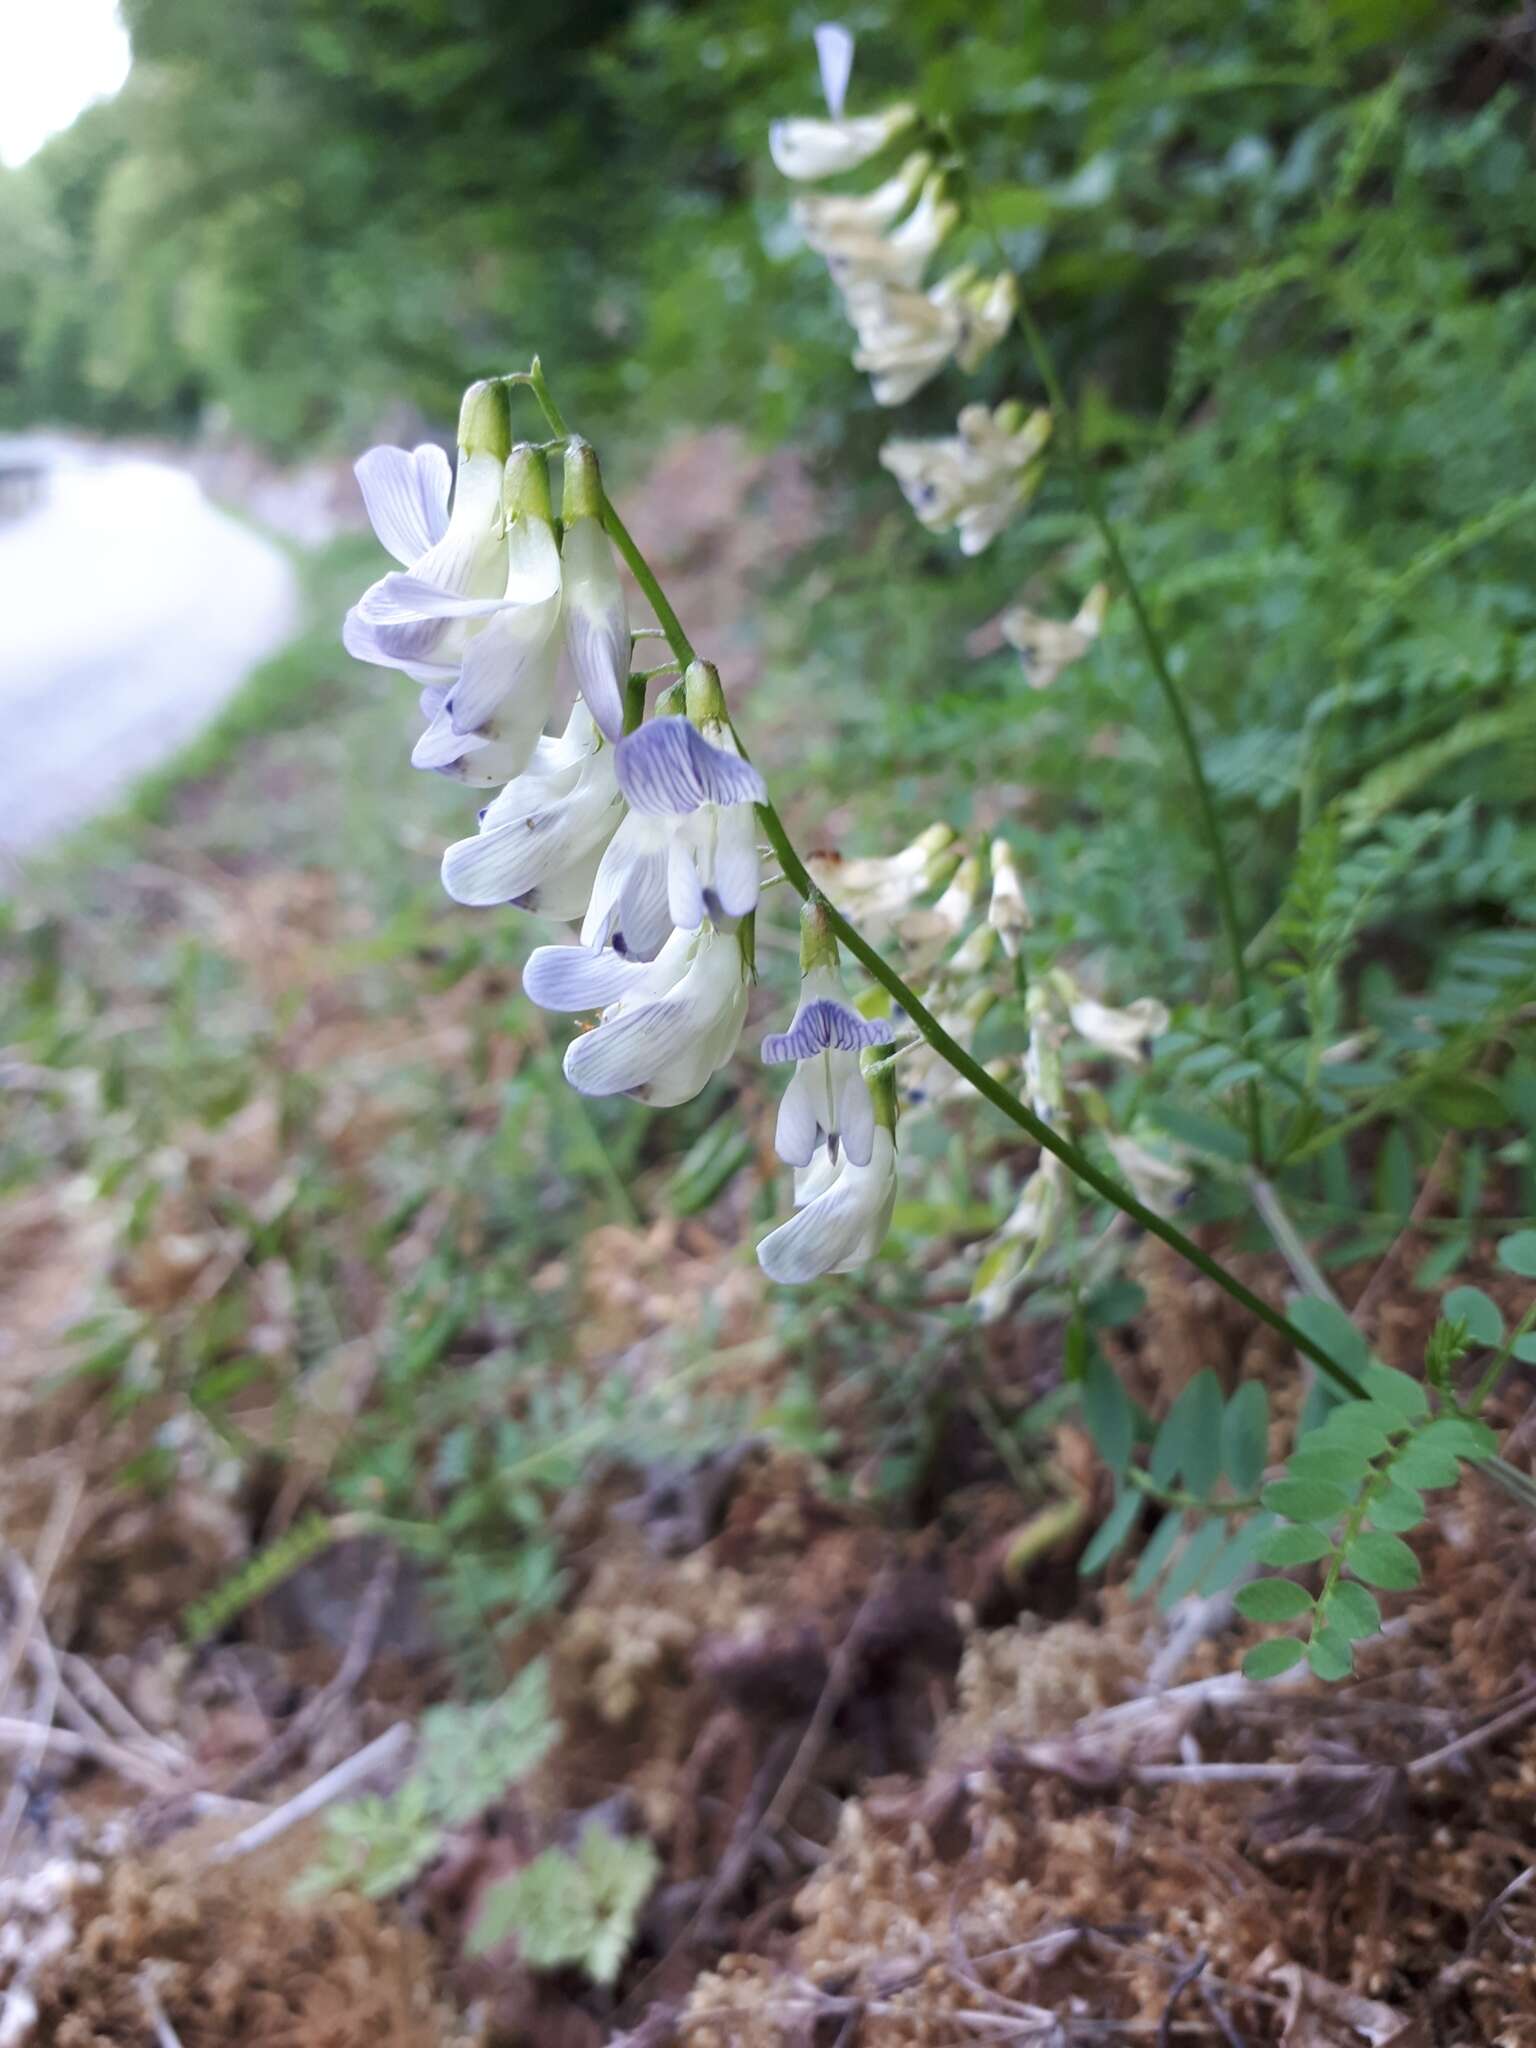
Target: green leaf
1237 1557
1245 1436
1340 1464
1482 1316
1272 1600
1383 1560
1425 1465
1295 1544
1517 1254
1524 1348
1330 1654
1157 1553
1352 1610
1193 1561
1442 1262
1363 1425
1111 1533
1463 1435
1394 1390
1268 1660
1190 1439
1327 1325
1306 1500
1464 1103
1108 1413
1397 1507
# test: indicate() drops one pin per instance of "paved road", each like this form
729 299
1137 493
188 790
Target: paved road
130 609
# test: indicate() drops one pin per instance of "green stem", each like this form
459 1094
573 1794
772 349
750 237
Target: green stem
1173 697
924 1021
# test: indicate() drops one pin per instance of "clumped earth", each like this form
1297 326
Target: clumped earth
908 1778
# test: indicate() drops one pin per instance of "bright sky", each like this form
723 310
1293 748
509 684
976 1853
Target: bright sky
58 56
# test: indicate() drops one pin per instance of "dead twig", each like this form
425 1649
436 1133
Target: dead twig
358 1655
387 1749
1176 1990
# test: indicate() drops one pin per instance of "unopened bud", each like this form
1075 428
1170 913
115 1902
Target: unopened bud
525 492
703 695
485 419
582 497
818 944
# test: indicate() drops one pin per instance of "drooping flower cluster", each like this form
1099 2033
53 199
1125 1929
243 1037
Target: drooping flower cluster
642 831
878 245
976 479
967 955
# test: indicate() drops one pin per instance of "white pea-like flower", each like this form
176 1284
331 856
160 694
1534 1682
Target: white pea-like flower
843 1208
666 1025
630 909
812 148
827 1101
1158 1181
492 714
874 888
541 841
454 573
1047 646
978 478
691 771
1124 1034
826 218
899 255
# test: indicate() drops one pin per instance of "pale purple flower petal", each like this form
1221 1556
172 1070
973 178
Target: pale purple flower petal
406 496
668 768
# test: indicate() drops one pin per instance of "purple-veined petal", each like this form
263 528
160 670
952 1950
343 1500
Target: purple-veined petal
400 599
626 1051
834 60
597 623
628 909
822 1024
574 978
841 1227
406 497
668 768
367 642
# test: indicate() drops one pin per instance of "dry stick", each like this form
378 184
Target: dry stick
1176 1990
387 1749
359 1654
64 1742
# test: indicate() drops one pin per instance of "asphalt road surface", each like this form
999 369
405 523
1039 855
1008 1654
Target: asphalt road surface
130 609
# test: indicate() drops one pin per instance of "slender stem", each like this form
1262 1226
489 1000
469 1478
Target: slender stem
949 1049
1205 803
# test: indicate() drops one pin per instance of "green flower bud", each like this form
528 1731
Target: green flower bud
818 946
525 492
582 497
703 695
485 419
